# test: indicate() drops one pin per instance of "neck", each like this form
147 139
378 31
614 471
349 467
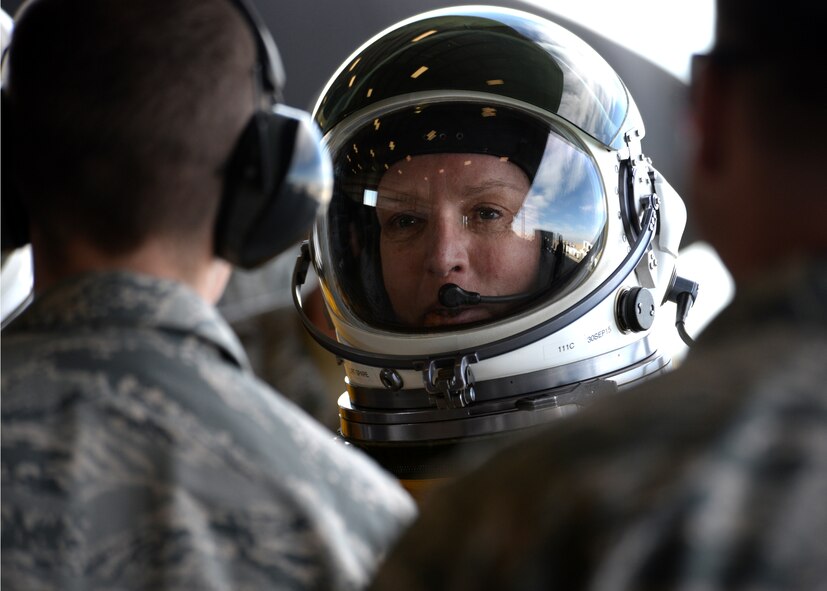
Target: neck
203 273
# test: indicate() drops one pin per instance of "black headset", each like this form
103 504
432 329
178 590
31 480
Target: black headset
277 175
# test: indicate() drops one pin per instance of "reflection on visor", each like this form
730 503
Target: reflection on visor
478 193
475 49
494 213
448 218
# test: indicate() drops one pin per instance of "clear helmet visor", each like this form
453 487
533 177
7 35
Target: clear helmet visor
504 205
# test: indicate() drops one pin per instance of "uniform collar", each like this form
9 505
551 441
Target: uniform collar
122 298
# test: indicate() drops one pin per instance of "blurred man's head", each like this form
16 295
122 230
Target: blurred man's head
761 114
125 113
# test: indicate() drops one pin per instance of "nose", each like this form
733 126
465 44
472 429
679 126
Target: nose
448 246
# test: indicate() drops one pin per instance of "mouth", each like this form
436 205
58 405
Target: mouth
442 316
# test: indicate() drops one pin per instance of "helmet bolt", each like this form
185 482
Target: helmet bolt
391 379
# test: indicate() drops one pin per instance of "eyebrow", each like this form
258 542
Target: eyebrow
487 186
490 185
391 196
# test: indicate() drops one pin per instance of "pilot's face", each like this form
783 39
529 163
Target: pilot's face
454 218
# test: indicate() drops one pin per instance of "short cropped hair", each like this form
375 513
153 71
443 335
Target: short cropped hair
124 114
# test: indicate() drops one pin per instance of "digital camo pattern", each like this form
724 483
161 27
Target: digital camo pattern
711 478
139 452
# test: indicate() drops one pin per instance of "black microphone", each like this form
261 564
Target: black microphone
452 295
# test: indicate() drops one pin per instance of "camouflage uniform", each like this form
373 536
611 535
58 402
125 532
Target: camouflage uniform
139 452
711 477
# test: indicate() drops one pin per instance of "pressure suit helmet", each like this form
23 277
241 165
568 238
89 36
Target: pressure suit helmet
498 247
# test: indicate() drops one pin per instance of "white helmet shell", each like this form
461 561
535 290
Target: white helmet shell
503 133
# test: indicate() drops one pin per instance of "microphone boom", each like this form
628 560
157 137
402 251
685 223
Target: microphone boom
452 295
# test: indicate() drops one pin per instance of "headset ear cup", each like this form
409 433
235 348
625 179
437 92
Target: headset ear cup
15 220
277 178
302 181
254 170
